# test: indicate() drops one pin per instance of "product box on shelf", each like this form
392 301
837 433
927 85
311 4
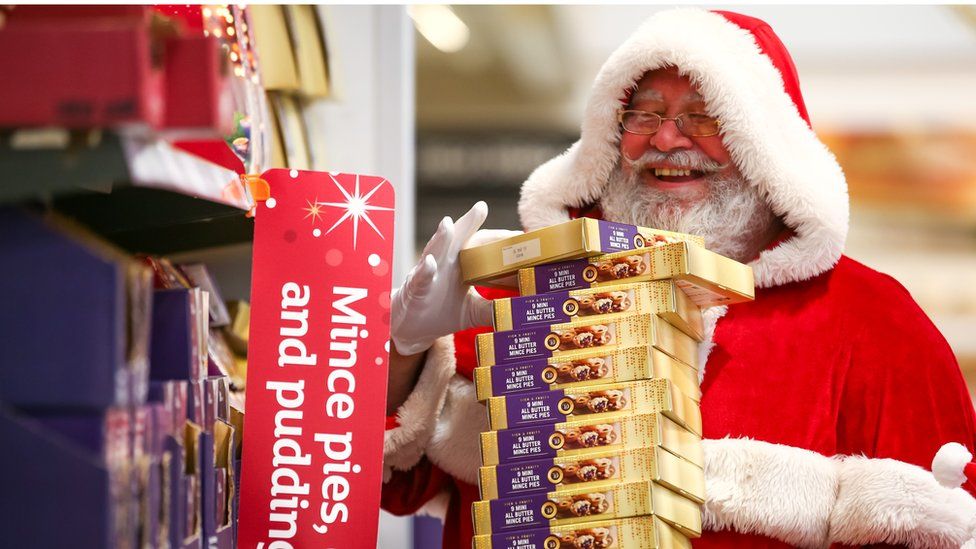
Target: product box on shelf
661 297
81 343
584 369
217 487
596 403
705 276
179 335
198 96
199 276
578 437
494 264
87 69
560 340
562 508
72 472
647 532
594 469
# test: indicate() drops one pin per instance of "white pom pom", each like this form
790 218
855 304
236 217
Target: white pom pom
947 466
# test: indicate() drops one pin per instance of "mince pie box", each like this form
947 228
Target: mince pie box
597 402
559 340
593 470
705 276
176 337
94 306
578 437
555 509
661 297
583 369
490 264
645 532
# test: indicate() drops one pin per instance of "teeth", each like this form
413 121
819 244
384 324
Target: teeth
670 172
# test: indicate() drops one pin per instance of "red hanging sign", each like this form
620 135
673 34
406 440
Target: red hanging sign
317 362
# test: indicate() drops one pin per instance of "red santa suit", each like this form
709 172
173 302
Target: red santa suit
824 400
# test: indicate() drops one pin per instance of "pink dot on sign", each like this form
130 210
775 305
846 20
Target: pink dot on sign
271 202
381 269
373 260
385 300
379 361
293 174
317 233
363 334
333 257
290 236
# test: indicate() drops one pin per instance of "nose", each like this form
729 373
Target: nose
668 137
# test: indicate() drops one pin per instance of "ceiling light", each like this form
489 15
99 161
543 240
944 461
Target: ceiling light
440 26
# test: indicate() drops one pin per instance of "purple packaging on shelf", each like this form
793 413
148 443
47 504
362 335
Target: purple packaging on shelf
55 477
173 355
92 352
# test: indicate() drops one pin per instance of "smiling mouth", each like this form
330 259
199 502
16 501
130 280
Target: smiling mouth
674 175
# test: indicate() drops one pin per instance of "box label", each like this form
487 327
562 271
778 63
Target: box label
515 345
566 275
521 512
532 539
539 309
535 408
617 237
523 251
523 478
523 444
518 378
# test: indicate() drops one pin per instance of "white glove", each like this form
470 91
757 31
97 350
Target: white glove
434 301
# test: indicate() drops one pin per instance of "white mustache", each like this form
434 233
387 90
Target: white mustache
686 159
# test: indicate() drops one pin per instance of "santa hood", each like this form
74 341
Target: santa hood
749 82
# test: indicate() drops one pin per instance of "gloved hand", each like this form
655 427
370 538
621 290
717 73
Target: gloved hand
434 301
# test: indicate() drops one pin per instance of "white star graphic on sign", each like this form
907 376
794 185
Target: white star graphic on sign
356 207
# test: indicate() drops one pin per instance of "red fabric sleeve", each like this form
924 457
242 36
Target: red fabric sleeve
904 396
408 491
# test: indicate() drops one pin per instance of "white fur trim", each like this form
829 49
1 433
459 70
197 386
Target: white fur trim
404 445
710 318
768 140
889 501
769 489
455 446
948 464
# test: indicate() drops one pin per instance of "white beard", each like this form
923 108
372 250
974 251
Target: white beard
734 218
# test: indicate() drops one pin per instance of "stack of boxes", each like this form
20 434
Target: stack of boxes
591 386
116 425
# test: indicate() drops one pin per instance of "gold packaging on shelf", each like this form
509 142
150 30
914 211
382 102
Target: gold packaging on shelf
556 509
705 276
645 532
584 369
490 264
599 402
578 437
610 332
593 470
661 297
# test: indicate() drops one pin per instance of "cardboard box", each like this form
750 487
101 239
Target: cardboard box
593 470
556 509
561 340
661 297
578 437
599 403
584 369
706 277
646 532
494 264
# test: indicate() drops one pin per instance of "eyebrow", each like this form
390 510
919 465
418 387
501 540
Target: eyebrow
647 94
694 97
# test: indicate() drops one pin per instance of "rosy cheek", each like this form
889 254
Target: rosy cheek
633 146
714 149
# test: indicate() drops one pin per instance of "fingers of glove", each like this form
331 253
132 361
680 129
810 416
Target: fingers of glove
467 225
437 245
487 236
421 279
478 310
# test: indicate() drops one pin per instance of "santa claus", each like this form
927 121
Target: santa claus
824 400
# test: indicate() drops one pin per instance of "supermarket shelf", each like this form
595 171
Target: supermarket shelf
142 194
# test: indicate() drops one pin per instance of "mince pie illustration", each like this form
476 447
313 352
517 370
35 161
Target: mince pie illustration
582 505
598 402
621 267
589 436
582 370
587 538
583 337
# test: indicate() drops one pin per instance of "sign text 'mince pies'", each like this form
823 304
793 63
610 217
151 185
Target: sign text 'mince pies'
313 437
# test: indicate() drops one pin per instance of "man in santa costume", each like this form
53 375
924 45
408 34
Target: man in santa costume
824 400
